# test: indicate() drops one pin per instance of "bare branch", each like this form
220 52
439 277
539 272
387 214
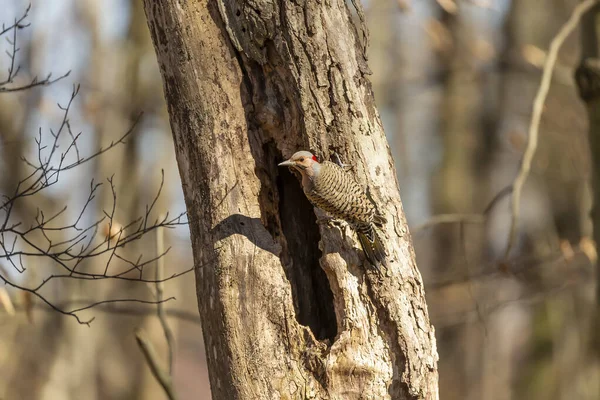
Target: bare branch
35 82
18 24
160 245
14 68
464 218
77 245
164 377
68 245
538 107
450 219
118 308
152 358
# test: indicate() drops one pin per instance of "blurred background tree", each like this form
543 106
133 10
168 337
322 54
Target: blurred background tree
455 82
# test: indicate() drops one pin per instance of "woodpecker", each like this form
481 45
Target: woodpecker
329 187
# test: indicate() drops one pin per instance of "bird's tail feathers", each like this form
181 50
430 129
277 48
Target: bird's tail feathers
372 247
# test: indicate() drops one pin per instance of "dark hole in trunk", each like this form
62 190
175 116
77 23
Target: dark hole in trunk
313 299
285 211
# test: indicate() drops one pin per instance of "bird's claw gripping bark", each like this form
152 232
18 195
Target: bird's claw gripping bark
337 160
331 222
328 221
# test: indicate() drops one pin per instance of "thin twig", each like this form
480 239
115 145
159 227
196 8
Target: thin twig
160 245
163 378
464 218
116 308
463 242
20 244
467 316
450 219
538 107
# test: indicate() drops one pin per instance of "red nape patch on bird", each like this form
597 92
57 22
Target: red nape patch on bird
315 158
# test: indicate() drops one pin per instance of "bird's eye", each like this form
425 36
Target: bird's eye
301 159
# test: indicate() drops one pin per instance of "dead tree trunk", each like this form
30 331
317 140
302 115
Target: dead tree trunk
288 310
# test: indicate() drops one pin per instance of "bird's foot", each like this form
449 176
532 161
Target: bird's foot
328 221
331 222
337 160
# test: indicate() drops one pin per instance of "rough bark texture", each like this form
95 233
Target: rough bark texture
288 310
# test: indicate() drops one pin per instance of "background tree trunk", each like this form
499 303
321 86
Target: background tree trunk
587 77
287 309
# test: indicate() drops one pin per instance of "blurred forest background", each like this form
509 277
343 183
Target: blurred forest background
454 82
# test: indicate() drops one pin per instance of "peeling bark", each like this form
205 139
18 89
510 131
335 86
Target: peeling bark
288 310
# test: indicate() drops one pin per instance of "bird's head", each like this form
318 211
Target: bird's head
302 161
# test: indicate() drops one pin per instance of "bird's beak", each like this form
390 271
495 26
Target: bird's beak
288 163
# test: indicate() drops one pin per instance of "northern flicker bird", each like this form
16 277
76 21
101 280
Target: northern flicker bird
332 189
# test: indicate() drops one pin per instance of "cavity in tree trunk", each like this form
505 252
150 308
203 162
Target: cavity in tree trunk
288 310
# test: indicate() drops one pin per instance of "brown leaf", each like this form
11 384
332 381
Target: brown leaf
27 299
588 247
567 250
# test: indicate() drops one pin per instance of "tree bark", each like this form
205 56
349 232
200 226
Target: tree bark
587 77
288 310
